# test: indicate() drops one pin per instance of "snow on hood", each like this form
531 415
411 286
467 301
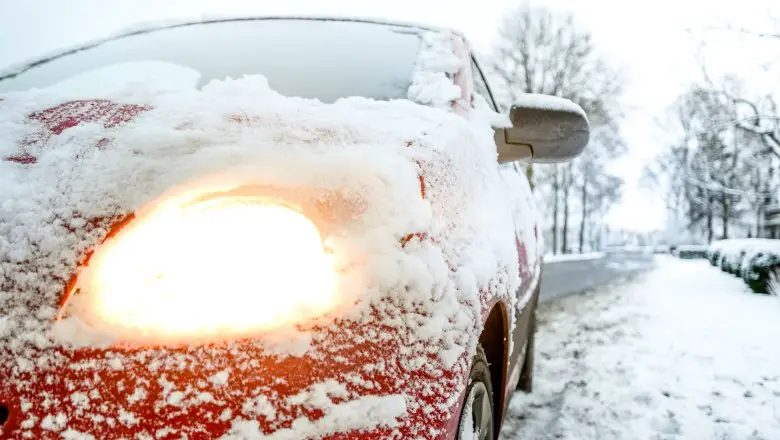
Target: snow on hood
433 232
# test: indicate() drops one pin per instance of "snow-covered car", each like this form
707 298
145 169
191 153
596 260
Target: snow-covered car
268 228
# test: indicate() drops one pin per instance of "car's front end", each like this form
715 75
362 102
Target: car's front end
323 248
232 263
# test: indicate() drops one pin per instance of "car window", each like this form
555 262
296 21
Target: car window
481 86
321 59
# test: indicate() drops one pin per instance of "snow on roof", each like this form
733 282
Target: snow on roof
431 234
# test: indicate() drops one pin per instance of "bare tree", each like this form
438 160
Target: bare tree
598 190
540 51
716 171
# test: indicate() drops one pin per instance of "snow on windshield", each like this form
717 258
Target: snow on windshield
124 77
308 58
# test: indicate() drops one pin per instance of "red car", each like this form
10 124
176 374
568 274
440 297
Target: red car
268 228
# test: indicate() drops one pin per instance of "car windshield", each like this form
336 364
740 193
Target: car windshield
320 59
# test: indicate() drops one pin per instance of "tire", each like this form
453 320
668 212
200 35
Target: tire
478 412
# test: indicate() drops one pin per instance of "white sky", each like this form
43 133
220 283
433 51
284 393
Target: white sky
648 39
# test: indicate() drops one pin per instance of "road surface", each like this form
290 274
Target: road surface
563 278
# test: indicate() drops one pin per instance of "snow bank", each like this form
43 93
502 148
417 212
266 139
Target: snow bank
422 245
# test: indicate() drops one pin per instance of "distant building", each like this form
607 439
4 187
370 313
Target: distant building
771 227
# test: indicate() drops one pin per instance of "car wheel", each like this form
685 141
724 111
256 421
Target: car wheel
477 419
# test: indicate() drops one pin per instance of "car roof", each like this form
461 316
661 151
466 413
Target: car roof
146 27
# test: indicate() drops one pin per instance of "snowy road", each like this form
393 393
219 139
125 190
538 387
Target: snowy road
681 352
563 278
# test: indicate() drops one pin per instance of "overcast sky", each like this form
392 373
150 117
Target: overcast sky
654 42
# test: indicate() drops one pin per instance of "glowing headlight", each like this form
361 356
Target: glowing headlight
223 267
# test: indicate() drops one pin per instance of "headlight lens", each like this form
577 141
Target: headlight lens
223 267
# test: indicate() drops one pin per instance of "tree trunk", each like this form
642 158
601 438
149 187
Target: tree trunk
725 216
565 232
770 176
584 212
555 187
760 187
710 216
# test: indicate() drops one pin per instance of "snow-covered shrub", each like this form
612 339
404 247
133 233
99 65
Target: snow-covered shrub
690 252
760 271
753 259
774 283
713 255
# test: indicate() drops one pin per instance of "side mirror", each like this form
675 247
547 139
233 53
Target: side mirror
545 128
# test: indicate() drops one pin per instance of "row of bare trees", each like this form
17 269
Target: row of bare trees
720 173
541 51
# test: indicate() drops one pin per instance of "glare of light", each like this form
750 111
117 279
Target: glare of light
225 267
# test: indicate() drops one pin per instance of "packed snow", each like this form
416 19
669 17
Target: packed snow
681 352
419 226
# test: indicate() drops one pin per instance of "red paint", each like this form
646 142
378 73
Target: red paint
23 158
419 235
57 119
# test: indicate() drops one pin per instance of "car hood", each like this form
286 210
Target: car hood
424 260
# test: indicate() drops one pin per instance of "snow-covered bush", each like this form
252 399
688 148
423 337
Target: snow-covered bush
755 260
774 283
690 252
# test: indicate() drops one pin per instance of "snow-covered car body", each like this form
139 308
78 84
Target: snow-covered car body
432 247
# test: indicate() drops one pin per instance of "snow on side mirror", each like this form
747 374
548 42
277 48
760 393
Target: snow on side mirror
545 128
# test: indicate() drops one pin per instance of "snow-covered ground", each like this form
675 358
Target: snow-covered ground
681 352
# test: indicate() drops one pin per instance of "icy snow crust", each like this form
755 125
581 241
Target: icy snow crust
420 260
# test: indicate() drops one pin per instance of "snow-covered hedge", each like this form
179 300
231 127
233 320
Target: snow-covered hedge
755 260
690 252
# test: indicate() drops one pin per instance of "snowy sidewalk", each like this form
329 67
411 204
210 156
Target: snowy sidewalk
681 352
